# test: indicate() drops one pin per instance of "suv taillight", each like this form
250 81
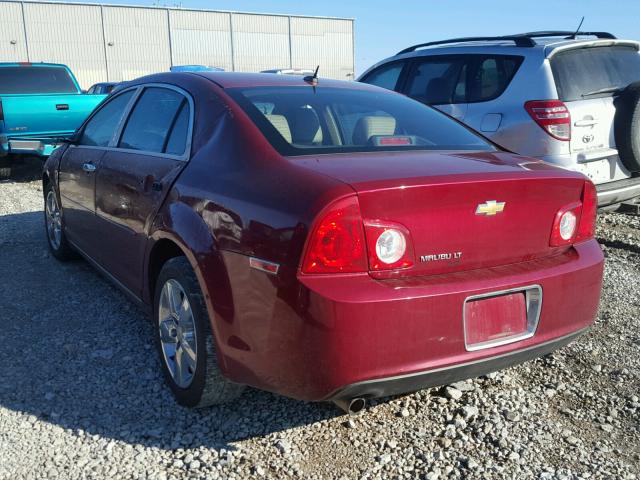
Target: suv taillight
576 222
552 116
337 243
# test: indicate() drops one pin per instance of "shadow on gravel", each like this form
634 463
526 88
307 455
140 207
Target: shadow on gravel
76 353
25 168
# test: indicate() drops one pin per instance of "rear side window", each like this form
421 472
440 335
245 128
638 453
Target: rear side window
177 141
434 80
102 126
386 76
155 117
307 121
442 80
489 77
583 72
27 80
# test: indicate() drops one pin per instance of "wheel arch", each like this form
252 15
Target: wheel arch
180 231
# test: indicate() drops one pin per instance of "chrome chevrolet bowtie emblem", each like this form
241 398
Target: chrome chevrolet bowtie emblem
490 208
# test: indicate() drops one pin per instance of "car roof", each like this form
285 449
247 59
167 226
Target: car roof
544 47
32 64
239 79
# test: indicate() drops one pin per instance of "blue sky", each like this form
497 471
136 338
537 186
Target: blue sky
383 28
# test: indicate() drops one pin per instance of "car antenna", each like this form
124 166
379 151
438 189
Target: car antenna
573 37
313 79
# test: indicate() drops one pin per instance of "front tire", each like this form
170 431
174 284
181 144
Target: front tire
54 227
185 341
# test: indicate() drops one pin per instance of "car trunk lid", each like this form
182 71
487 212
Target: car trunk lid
463 210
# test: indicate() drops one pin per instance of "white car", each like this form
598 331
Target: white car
569 98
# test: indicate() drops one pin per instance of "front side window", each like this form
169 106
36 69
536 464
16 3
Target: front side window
304 120
158 113
100 129
386 76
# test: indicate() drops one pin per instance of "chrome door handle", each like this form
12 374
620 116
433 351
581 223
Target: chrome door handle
88 167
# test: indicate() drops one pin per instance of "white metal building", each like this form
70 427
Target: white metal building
114 43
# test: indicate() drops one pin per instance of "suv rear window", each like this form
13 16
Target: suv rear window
27 80
587 70
305 121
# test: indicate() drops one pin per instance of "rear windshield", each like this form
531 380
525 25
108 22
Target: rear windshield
582 72
25 80
306 121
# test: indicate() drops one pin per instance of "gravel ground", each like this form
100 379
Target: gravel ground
81 393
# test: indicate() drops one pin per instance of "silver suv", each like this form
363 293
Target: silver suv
566 100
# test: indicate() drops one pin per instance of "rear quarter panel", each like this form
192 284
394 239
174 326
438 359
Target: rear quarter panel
237 199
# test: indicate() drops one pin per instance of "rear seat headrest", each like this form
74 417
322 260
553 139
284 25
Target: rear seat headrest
371 126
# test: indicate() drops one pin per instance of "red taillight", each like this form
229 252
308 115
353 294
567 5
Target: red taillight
337 244
552 116
389 246
576 222
587 225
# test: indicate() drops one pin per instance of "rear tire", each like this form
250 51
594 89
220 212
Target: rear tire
627 127
54 227
183 331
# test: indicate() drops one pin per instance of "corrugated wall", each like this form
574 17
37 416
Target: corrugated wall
60 44
260 42
13 47
114 43
324 42
201 38
137 41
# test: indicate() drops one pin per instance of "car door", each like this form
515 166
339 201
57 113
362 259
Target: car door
439 81
134 177
77 173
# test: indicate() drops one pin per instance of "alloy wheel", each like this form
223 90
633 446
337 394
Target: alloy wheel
177 333
53 220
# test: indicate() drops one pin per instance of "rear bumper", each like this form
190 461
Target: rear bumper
383 387
25 146
351 335
618 191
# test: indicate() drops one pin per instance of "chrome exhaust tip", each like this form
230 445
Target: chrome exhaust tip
351 406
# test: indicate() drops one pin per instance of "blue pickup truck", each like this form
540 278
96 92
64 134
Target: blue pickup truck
40 105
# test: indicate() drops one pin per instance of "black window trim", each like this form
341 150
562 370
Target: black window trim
472 60
115 139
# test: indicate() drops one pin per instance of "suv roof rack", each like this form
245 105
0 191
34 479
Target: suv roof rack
520 39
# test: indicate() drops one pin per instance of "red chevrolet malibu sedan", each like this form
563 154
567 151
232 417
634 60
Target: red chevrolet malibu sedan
320 239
